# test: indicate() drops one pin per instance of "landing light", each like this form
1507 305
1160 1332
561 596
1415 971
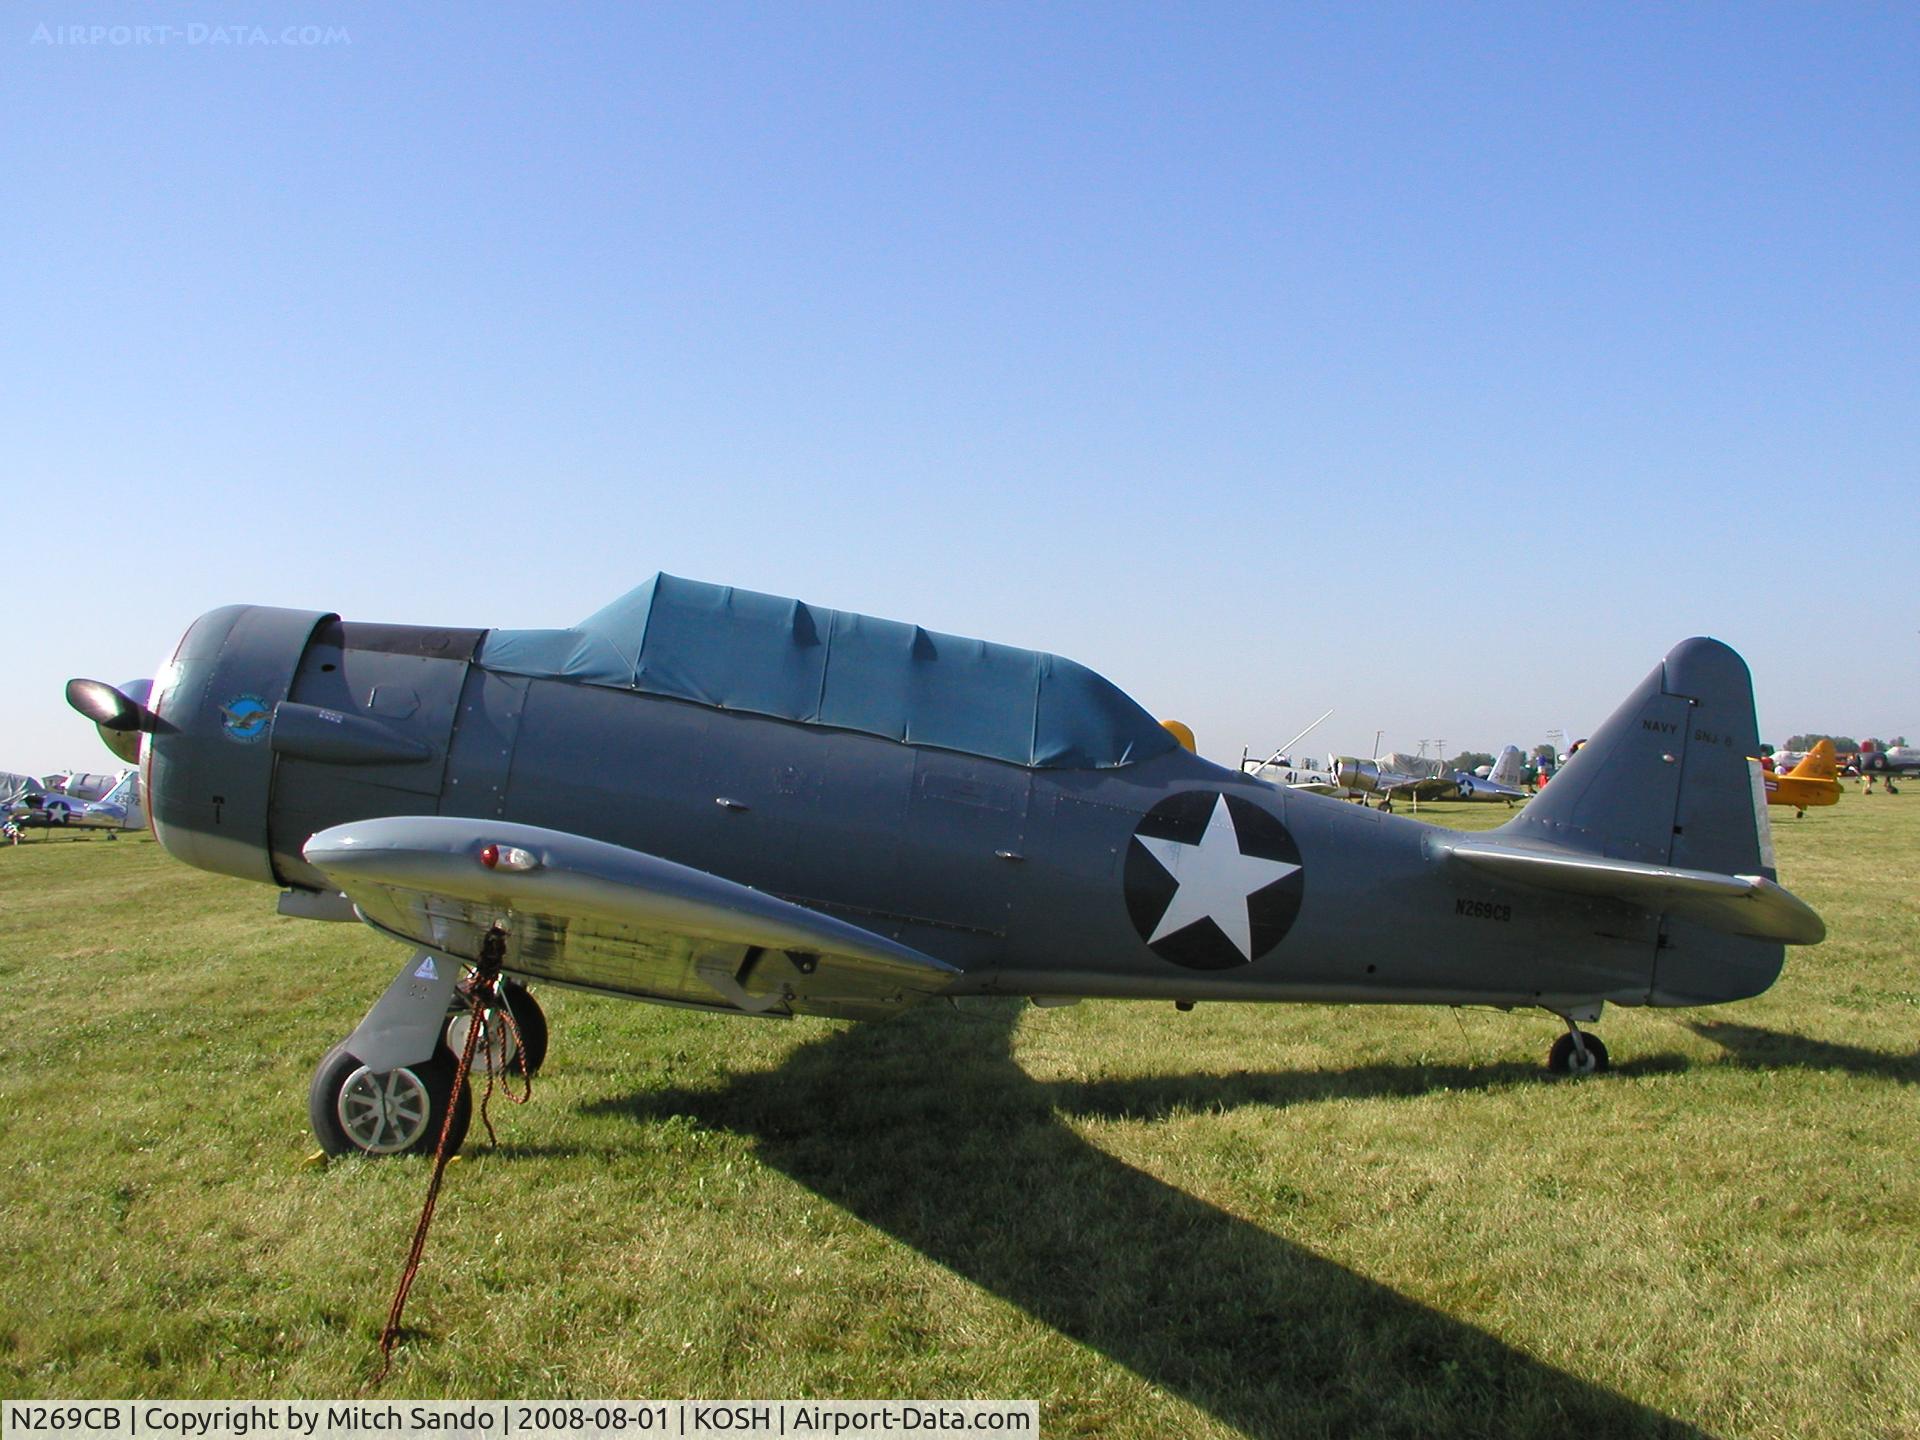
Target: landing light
508 857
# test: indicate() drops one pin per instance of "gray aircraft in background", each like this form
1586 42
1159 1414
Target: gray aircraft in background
728 801
1406 777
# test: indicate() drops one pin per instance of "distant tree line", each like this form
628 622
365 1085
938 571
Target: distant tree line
1470 760
1842 742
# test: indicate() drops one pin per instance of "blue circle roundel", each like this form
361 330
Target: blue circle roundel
1212 880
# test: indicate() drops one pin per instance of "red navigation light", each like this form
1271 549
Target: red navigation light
509 857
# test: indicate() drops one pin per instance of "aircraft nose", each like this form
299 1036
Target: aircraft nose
119 713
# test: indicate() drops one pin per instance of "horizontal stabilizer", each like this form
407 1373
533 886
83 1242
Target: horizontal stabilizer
583 912
1748 905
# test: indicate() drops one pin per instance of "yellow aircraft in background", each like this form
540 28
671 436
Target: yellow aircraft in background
1814 781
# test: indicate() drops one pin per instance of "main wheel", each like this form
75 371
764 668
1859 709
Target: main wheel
1563 1059
529 1022
357 1111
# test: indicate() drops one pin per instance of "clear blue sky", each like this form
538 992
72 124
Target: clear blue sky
1444 364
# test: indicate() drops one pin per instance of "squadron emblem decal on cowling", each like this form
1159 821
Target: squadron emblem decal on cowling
1212 880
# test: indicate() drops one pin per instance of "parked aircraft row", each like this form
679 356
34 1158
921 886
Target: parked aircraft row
1397 777
1802 780
1869 760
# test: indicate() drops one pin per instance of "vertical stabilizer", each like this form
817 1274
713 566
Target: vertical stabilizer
1664 781
1822 762
1509 769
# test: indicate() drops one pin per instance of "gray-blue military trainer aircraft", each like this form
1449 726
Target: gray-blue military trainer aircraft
727 801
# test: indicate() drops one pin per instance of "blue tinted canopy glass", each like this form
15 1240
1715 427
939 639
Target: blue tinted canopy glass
741 650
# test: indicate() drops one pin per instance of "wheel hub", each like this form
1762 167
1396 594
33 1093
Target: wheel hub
497 1039
384 1112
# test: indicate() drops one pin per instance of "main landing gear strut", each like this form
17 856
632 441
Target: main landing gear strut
387 1088
1576 1052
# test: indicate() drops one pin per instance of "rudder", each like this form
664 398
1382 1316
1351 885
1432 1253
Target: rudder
1665 779
1510 768
1822 762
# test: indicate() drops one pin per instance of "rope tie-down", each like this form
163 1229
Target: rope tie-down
482 995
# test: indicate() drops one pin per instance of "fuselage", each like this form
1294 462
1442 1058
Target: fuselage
1801 792
1037 880
1903 759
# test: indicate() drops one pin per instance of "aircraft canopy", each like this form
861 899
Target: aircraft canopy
741 650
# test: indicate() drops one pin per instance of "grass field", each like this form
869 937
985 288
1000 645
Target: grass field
1258 1220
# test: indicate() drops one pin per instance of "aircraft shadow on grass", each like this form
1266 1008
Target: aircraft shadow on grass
1759 1049
928 1130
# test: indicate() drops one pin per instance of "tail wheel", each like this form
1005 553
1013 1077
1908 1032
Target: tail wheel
357 1111
1563 1059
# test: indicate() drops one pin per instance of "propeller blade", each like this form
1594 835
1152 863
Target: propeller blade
120 716
108 707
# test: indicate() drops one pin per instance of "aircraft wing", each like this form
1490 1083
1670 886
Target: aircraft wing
1423 787
586 913
1749 905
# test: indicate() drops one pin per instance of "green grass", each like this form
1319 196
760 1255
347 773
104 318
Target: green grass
1259 1220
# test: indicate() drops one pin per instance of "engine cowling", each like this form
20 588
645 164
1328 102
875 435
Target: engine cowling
1354 774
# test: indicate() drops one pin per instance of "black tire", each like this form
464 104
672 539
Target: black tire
384 1115
530 1020
1561 1058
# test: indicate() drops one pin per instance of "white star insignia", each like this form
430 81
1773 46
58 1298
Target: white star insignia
1215 880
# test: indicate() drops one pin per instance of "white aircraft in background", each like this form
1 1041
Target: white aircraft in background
1280 769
